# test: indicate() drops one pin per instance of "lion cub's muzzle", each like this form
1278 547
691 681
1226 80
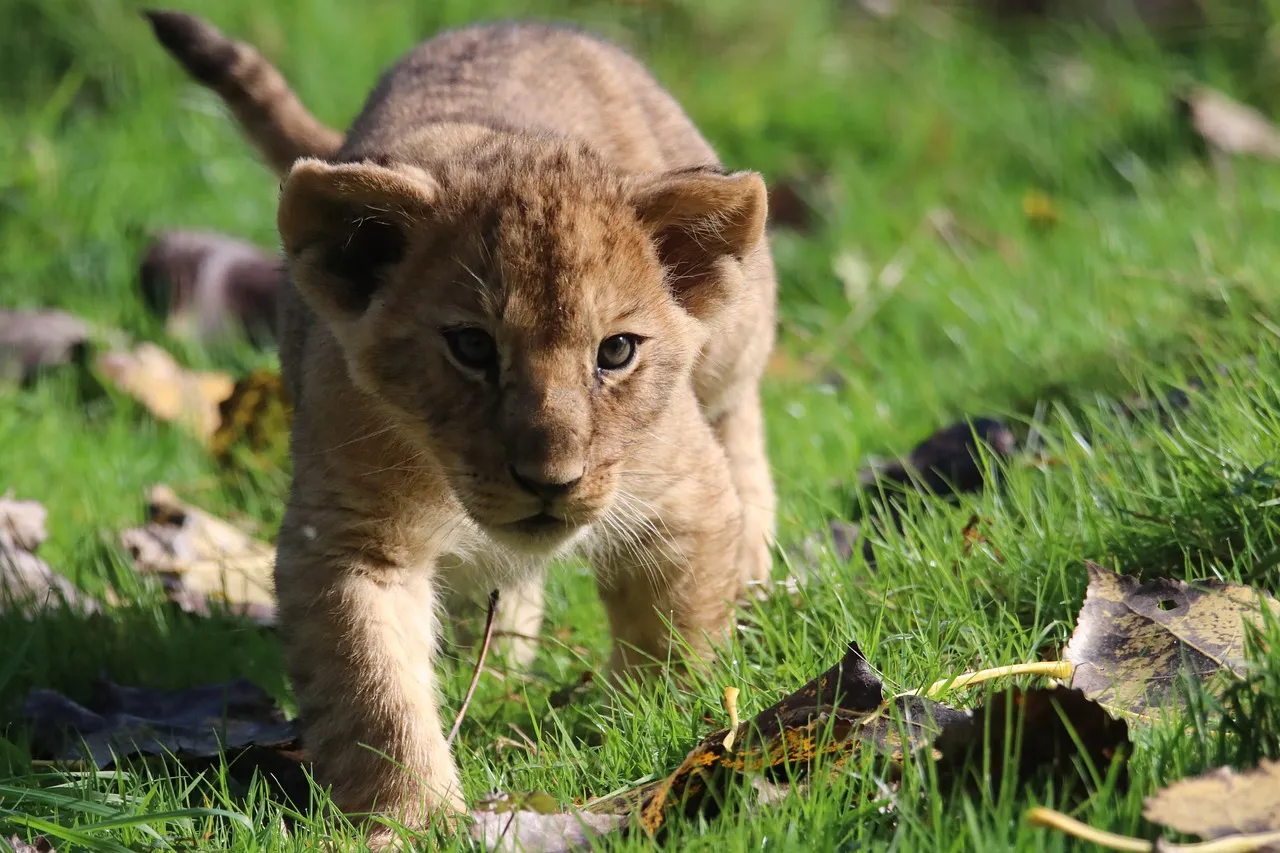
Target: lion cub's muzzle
547 486
552 490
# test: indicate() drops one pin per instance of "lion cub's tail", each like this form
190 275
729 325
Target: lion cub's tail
270 114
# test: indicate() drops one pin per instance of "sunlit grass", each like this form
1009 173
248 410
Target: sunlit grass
1155 266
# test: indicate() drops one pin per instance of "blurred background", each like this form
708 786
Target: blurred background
975 204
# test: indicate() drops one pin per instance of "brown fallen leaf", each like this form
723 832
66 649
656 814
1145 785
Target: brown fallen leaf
534 823
200 559
237 722
788 207
33 340
1052 726
820 719
22 523
170 392
1134 640
253 422
206 285
1039 209
841 712
1230 126
27 584
834 715
121 722
37 844
948 461
197 729
1221 802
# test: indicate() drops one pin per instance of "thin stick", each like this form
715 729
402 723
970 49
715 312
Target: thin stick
1054 669
1040 816
475 676
731 705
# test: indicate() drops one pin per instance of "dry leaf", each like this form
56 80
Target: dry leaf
38 844
27 584
32 340
22 523
841 712
1051 725
1230 126
532 832
254 420
788 207
534 823
949 461
833 717
1039 209
817 719
167 390
201 558
208 284
190 725
1133 640
1221 802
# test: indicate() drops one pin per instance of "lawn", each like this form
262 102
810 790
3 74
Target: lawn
1006 222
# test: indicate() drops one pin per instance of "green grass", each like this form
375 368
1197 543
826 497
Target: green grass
1159 264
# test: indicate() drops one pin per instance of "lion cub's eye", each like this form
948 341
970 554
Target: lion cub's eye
472 347
616 352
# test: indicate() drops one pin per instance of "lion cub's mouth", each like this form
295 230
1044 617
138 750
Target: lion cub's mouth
542 524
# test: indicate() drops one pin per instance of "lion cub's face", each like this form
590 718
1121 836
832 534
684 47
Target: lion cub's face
526 322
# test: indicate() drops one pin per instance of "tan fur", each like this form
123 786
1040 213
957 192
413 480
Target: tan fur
537 184
273 118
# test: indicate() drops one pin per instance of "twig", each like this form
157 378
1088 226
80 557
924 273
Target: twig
475 676
1040 816
731 705
1053 669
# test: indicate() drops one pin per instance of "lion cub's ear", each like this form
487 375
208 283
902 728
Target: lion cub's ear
345 226
698 218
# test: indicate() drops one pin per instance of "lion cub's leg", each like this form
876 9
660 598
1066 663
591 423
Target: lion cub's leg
670 559
741 434
357 612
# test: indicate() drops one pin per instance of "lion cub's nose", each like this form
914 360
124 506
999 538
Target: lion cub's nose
540 484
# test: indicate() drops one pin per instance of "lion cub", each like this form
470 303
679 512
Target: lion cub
527 314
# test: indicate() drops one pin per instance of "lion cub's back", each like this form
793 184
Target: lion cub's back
538 77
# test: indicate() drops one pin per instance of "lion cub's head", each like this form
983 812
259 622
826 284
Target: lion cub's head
526 313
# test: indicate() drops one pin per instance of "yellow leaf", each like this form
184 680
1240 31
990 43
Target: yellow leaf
200 558
1221 802
170 392
1039 208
